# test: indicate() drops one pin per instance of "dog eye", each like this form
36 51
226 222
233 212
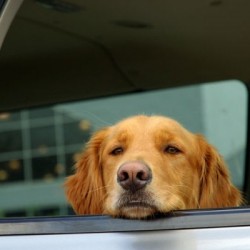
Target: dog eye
172 150
117 151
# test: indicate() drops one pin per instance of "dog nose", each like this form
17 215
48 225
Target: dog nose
134 175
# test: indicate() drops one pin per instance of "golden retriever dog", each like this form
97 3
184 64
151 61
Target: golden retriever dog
145 165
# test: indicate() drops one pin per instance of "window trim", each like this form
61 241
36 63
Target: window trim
246 186
189 219
8 10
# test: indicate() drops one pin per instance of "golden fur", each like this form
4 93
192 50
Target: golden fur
174 170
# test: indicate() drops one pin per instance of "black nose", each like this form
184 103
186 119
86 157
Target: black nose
134 175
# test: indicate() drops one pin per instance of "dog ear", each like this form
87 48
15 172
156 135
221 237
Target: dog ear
85 189
216 188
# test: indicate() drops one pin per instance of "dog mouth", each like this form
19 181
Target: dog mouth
136 203
139 205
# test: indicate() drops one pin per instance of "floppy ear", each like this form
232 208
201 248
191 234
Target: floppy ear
85 189
216 188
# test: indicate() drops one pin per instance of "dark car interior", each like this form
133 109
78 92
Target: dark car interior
68 50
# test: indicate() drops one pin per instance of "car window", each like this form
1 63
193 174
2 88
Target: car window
38 147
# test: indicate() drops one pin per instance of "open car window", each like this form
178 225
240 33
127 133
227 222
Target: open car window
39 146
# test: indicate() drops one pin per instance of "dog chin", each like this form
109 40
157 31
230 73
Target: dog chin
137 212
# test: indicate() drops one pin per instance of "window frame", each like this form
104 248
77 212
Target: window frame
178 220
246 183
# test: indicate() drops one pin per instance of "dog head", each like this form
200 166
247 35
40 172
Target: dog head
145 165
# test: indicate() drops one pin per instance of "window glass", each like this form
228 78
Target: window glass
38 147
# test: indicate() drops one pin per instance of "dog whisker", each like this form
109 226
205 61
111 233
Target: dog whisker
98 189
